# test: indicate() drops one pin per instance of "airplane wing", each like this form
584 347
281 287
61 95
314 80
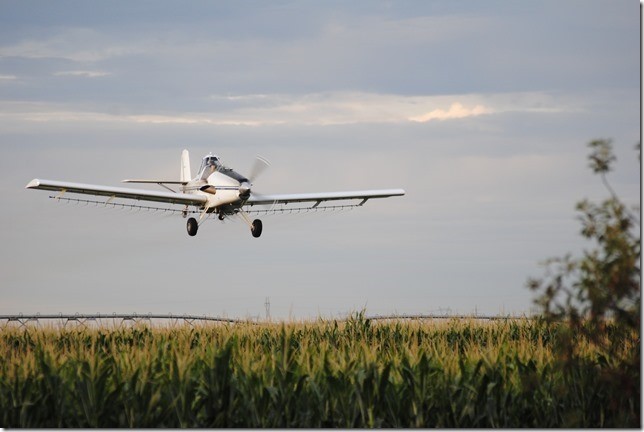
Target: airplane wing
177 182
117 192
322 196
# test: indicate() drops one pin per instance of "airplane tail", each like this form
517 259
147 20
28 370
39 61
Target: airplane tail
185 166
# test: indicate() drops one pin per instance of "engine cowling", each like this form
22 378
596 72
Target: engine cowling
244 190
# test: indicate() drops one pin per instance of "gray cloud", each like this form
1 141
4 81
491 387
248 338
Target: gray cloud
168 62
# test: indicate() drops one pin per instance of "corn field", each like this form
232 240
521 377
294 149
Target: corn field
355 373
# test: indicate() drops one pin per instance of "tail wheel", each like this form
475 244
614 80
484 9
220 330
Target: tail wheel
256 229
192 227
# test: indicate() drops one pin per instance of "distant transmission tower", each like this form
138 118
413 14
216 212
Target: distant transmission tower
267 305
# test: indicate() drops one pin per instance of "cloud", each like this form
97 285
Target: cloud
455 111
252 97
73 44
82 73
7 78
329 108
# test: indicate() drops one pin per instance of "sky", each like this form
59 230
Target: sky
481 111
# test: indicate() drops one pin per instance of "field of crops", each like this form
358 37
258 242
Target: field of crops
357 373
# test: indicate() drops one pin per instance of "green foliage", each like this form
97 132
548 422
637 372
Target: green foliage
358 373
598 296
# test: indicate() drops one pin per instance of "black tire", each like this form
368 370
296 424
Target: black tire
256 230
192 227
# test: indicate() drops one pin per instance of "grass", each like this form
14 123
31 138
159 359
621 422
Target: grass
357 373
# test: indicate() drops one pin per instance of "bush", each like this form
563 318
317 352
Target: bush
598 296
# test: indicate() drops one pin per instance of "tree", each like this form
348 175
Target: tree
598 296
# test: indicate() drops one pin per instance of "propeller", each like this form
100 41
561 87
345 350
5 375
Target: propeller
259 166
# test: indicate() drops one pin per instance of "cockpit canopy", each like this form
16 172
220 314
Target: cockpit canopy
209 165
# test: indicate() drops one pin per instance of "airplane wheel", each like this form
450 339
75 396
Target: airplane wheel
192 226
256 230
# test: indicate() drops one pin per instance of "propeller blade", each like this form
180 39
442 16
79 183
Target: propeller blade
259 167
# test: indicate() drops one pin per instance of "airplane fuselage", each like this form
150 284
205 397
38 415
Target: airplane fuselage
224 188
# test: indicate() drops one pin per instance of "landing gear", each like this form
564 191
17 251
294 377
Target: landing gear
192 227
256 228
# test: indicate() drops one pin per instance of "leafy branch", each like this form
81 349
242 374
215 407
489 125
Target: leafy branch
598 295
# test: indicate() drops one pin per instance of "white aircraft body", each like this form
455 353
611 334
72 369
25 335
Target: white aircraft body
216 189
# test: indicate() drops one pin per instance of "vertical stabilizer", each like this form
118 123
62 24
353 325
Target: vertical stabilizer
185 166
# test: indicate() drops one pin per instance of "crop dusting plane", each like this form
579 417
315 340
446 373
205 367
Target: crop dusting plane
216 189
